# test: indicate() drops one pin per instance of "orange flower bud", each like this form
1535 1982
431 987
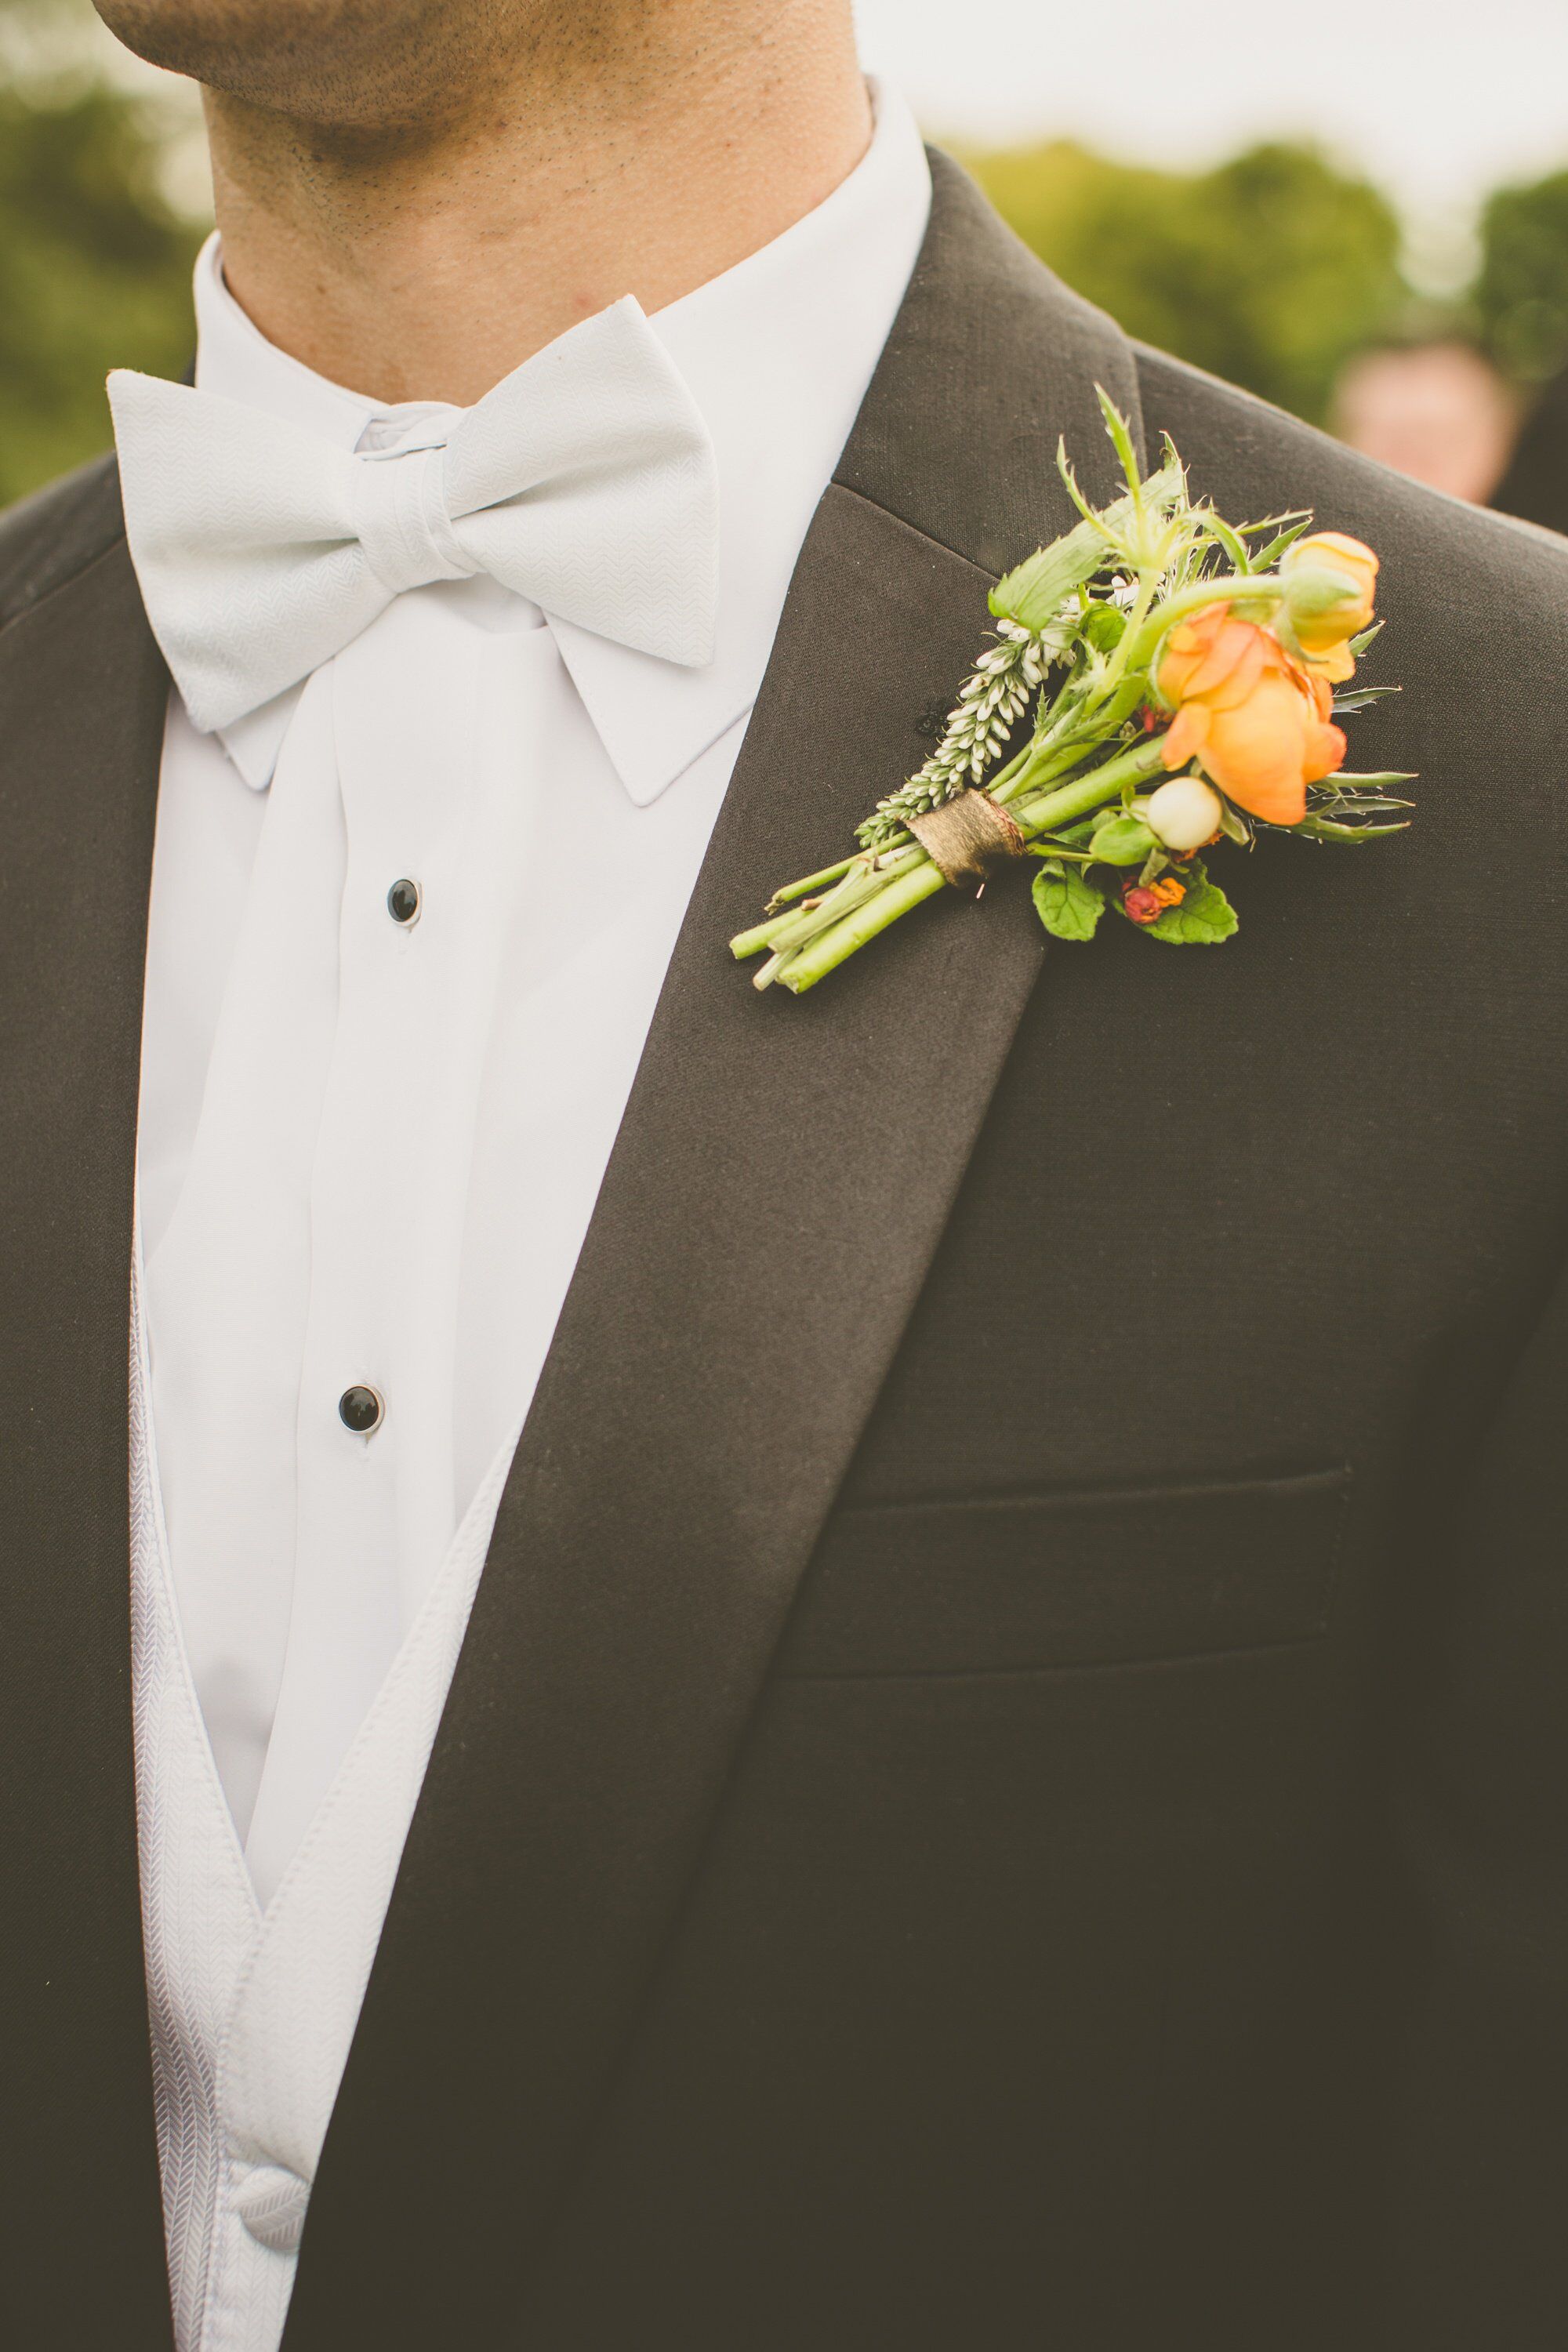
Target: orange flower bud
1330 585
1256 721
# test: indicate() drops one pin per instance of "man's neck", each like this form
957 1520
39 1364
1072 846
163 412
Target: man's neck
427 266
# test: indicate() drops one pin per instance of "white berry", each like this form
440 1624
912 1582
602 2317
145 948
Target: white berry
1183 814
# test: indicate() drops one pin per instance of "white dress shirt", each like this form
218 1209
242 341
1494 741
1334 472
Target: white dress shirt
368 1151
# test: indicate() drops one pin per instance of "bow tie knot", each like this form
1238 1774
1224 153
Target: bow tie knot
402 523
585 482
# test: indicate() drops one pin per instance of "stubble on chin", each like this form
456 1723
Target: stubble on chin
371 65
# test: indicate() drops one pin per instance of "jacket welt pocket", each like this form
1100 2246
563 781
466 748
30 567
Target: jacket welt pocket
1069 1579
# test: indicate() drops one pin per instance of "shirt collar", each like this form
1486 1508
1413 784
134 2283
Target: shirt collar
777 353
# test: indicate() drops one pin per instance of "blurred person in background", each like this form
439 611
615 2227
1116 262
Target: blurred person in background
1522 297
1437 409
735 1675
1535 484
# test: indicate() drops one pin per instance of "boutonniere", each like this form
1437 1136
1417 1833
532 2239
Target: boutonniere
1187 676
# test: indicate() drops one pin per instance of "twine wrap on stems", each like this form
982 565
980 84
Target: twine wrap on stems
968 837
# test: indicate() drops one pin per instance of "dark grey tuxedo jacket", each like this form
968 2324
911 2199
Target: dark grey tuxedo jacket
1008 1784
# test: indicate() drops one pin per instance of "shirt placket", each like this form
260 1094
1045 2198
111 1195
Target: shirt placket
376 1500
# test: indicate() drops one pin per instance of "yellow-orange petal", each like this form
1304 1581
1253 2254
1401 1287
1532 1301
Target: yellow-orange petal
1185 649
1231 665
1330 587
1336 548
1336 665
1325 753
1185 735
1254 754
1276 799
1250 660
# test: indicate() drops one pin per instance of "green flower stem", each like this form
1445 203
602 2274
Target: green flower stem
752 943
1057 761
1003 779
808 883
788 931
1085 793
1262 588
836 945
1057 755
1121 660
1134 689
778 931
786 939
861 877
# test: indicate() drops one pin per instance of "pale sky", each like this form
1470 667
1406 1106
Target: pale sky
1439 100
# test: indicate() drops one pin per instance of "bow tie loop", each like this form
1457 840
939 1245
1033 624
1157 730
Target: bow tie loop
585 482
400 518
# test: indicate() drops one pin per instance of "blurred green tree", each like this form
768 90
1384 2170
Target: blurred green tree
95 273
1268 270
1521 289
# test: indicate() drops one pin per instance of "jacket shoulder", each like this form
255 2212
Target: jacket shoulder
46 540
1253 459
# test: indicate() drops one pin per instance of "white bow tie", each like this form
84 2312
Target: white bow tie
585 482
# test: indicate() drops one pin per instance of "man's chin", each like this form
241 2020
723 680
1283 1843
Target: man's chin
337 60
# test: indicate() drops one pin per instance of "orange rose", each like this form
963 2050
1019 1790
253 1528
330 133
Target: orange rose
1330 585
1255 720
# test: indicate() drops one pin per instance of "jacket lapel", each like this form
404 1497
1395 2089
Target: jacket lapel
82 693
782 1178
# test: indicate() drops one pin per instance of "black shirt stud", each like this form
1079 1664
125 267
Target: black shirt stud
362 1410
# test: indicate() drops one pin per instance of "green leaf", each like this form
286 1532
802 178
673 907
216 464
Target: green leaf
1035 591
1324 828
1069 906
1264 559
1121 439
1218 528
1074 836
1104 627
1125 841
1069 481
1204 918
1337 805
